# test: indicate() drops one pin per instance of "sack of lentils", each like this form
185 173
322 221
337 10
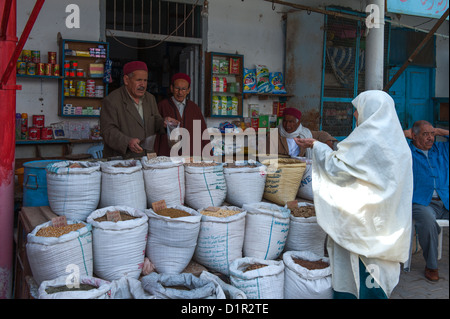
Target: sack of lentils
221 237
123 184
84 287
205 184
164 180
118 243
307 276
73 188
52 250
245 182
172 238
258 278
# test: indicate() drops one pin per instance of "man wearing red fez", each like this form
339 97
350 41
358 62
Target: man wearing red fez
290 128
129 115
187 114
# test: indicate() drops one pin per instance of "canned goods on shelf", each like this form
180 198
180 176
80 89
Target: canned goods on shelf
21 67
48 69
36 56
56 71
31 68
52 57
26 55
40 69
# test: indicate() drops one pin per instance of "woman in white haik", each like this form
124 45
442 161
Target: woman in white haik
362 196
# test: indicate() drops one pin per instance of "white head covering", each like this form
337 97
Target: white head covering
363 190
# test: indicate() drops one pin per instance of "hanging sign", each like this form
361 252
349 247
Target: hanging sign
423 8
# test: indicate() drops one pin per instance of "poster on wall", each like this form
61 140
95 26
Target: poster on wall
422 8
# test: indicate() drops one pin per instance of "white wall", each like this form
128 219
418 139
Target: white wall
41 97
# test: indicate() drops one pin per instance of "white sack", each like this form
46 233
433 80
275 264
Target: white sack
205 186
266 230
245 185
160 285
305 190
164 181
123 186
103 290
119 247
231 292
304 283
262 283
305 234
171 241
73 192
220 240
51 257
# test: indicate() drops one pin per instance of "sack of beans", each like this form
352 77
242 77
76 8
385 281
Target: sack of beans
55 251
119 240
307 276
123 184
305 234
73 188
266 230
83 287
164 180
245 182
172 237
181 286
258 278
221 237
283 179
205 184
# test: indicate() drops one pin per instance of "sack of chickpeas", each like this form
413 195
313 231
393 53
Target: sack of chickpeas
119 240
58 251
83 287
221 237
123 184
172 238
73 188
258 278
164 180
205 184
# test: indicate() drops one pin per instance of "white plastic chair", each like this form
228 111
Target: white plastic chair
442 223
96 151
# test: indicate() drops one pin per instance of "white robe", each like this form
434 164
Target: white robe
363 196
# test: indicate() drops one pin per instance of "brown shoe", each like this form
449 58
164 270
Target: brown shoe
431 274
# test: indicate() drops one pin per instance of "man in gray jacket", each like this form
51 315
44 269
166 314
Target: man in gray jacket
129 115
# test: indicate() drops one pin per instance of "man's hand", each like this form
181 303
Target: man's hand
440 132
408 133
305 142
134 146
170 121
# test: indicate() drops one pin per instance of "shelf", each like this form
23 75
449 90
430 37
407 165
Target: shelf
38 76
265 96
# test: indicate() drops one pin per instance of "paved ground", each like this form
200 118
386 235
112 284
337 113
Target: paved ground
414 285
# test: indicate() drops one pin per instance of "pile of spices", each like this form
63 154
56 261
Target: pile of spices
130 164
123 217
51 231
220 213
319 264
232 165
303 211
202 164
172 212
254 266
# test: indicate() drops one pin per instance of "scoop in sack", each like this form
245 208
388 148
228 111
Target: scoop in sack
148 144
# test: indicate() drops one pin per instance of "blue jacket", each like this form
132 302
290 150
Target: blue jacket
426 171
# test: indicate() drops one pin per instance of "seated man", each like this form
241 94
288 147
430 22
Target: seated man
430 196
291 128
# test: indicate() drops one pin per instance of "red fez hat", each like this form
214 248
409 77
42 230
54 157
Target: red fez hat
181 76
134 66
294 112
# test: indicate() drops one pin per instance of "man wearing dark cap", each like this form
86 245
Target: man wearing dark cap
290 128
129 115
186 114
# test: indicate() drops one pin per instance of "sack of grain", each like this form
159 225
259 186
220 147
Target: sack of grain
305 234
172 237
221 237
283 182
164 180
258 278
305 189
84 287
205 185
231 292
73 188
59 255
245 182
307 276
118 246
266 230
180 286
123 184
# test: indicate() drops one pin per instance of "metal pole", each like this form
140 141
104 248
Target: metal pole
375 46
